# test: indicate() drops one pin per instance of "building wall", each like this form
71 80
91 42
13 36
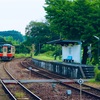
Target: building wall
72 50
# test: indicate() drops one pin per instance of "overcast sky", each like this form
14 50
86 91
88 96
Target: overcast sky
16 14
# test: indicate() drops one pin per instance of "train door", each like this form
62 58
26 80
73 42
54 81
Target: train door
4 51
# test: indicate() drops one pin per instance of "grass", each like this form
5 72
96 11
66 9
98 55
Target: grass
46 58
43 57
94 81
21 55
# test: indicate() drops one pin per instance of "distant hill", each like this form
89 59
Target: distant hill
15 34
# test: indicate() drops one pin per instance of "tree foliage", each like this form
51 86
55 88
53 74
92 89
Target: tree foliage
39 33
2 40
75 19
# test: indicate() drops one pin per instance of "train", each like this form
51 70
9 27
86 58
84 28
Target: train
7 52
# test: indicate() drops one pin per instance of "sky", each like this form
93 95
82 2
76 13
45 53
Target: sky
16 14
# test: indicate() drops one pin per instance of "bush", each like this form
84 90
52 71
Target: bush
96 68
97 77
97 73
48 53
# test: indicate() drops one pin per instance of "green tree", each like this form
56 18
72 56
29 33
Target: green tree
38 33
10 39
75 19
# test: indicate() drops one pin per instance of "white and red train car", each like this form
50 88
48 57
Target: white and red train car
7 51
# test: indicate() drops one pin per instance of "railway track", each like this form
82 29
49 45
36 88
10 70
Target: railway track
44 90
14 88
3 75
92 92
11 96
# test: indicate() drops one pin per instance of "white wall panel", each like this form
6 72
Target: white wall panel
74 51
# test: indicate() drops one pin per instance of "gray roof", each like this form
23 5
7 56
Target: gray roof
62 42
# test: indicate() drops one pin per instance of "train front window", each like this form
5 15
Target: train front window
5 50
9 49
